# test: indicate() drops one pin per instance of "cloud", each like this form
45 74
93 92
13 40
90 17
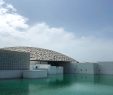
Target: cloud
10 19
15 31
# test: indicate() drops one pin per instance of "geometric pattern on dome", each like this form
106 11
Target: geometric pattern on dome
42 54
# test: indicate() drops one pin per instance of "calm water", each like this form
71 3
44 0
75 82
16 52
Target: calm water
59 85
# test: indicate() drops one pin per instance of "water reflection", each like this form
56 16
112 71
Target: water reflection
59 85
13 87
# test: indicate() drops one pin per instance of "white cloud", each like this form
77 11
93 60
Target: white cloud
14 31
9 19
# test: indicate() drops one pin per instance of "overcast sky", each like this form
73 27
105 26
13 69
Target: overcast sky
82 29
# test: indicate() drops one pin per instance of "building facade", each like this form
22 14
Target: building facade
37 63
13 63
12 60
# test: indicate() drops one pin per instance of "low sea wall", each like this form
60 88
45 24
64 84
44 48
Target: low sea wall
35 74
10 74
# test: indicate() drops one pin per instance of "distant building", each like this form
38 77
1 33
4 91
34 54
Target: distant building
91 68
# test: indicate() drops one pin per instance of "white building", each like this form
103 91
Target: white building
39 63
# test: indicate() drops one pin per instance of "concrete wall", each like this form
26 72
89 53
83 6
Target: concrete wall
66 68
89 68
104 68
11 74
35 74
86 68
59 70
81 68
7 74
51 70
70 68
39 66
12 60
34 64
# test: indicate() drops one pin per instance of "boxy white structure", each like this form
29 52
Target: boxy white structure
89 68
104 68
51 70
80 68
59 70
85 68
13 63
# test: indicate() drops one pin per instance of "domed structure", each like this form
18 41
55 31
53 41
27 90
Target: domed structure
40 54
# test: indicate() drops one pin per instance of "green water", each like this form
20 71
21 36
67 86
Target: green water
59 85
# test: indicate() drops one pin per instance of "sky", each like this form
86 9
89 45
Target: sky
81 29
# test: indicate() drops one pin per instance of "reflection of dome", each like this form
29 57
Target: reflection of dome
42 54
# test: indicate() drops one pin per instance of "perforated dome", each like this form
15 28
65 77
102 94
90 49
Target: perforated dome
42 54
